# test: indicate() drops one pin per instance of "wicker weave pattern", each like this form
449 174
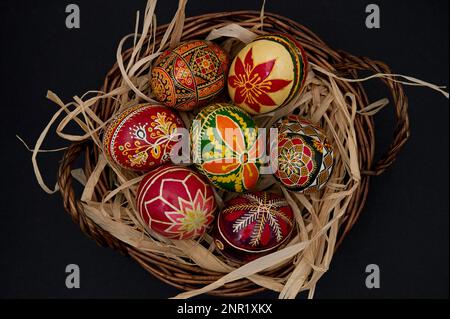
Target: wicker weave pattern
344 64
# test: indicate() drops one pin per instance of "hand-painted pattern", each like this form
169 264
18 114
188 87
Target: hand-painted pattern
225 147
142 137
251 83
175 202
253 224
190 75
267 73
296 161
305 157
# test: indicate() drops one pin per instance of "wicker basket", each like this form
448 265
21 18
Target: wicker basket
188 277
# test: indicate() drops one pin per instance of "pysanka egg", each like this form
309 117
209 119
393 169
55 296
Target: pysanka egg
305 157
176 202
189 75
267 73
253 225
141 137
225 147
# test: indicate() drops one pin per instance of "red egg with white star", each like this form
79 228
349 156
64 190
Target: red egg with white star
141 137
176 202
253 225
267 73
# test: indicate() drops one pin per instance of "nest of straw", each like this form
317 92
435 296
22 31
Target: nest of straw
105 209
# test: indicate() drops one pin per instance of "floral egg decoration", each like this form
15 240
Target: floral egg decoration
267 73
225 147
176 202
190 75
253 225
305 157
141 137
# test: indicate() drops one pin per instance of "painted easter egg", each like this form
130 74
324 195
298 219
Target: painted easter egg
305 156
225 147
189 75
267 73
176 202
141 137
253 225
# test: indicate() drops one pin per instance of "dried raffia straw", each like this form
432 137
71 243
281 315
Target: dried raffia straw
106 210
409 80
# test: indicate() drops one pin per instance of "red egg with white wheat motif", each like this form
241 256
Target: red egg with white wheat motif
176 202
141 137
253 225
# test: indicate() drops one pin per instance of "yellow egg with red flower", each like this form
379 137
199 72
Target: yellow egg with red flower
267 73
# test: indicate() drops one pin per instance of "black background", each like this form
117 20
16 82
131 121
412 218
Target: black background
403 229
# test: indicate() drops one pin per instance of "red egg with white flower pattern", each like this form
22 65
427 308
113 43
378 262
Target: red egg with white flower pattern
253 225
176 202
141 137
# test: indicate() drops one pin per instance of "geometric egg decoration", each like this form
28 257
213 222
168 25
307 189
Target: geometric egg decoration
190 75
176 202
141 137
224 145
305 156
253 225
267 73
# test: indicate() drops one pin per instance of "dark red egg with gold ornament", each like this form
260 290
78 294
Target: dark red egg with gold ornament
190 75
141 137
176 202
253 225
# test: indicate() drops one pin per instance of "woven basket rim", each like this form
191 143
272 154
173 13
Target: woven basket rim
190 277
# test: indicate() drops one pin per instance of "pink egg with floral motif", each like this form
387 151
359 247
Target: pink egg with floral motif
176 202
141 137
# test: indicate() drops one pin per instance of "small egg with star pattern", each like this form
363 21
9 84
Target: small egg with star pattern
305 155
